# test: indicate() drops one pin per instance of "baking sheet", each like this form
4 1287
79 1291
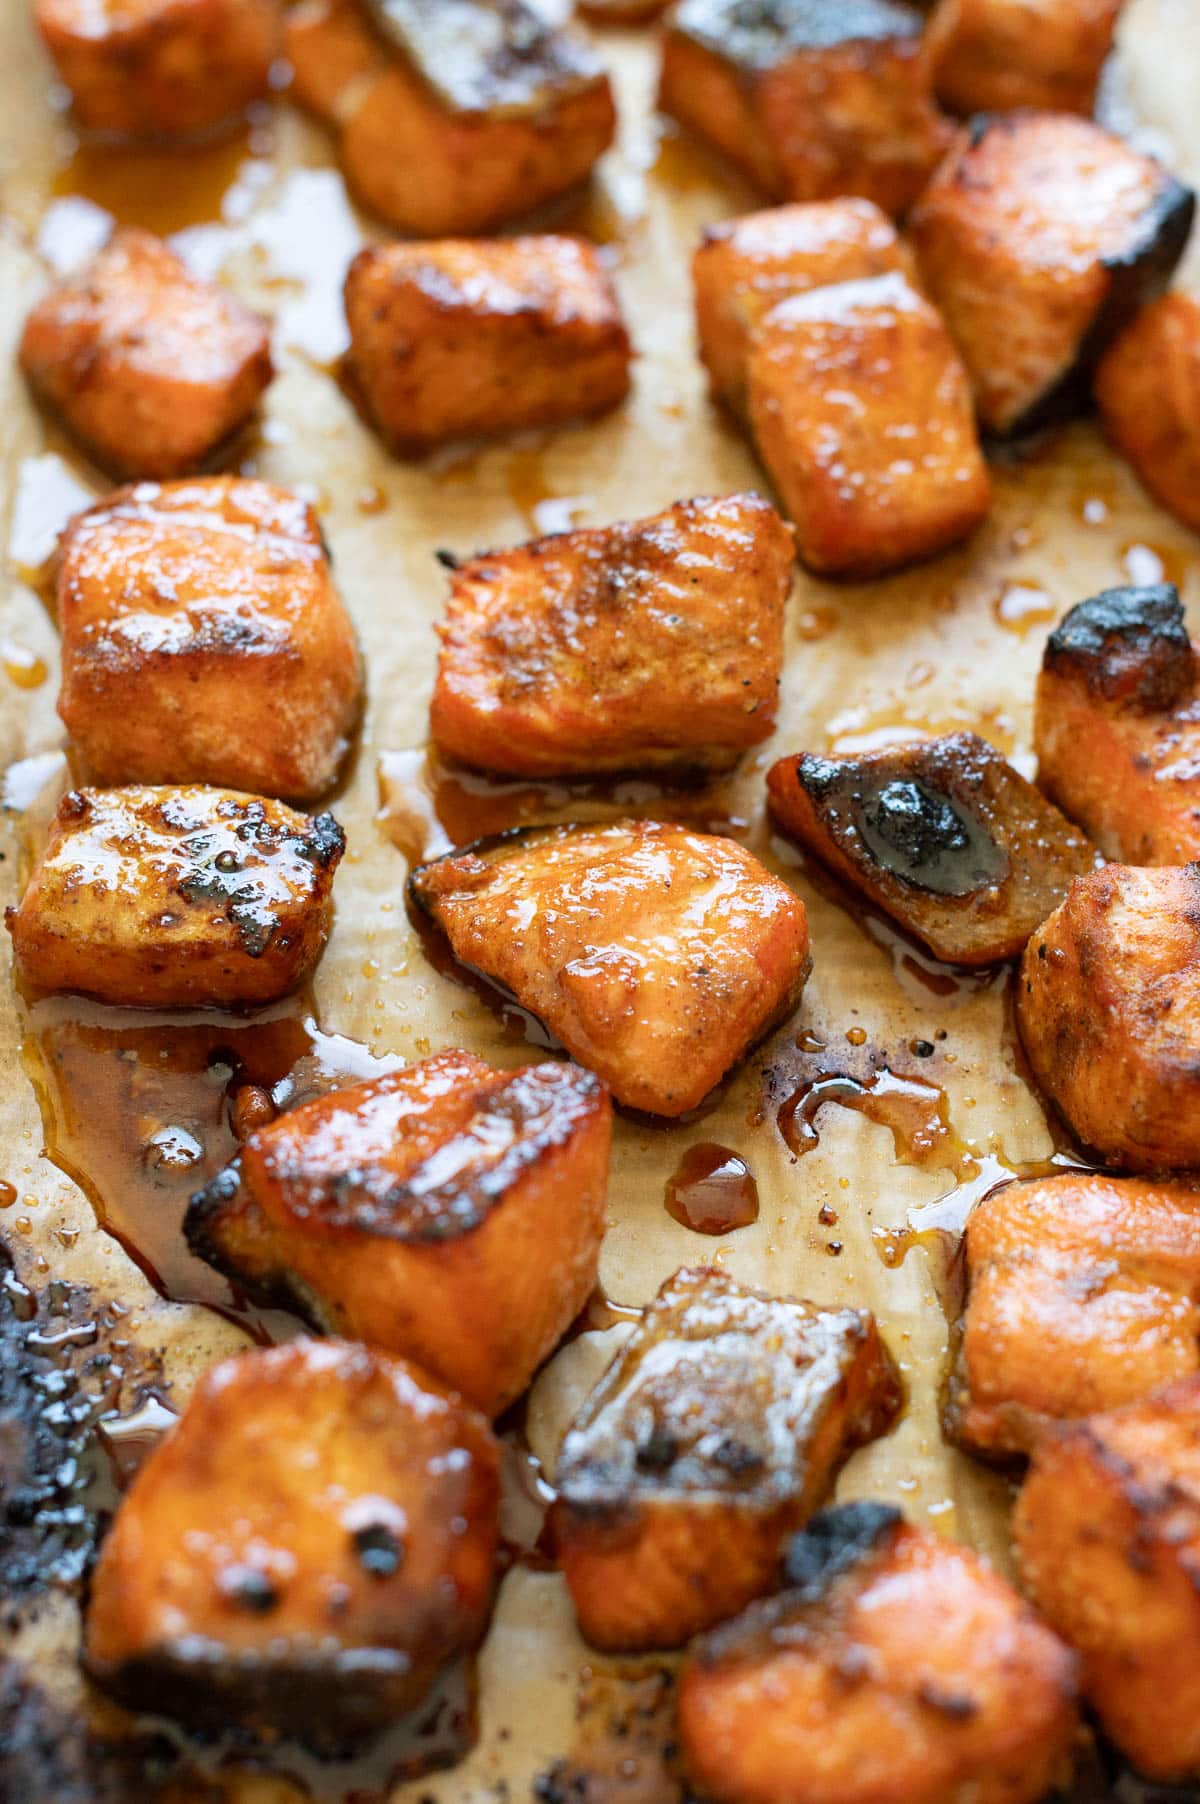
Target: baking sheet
954 643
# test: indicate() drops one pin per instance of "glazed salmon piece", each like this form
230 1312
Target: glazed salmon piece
459 338
656 955
996 55
1108 1005
149 368
721 1423
1117 724
1039 238
452 120
943 834
305 1550
811 102
655 643
1147 388
1107 1534
177 898
744 267
1083 1293
160 68
395 1211
897 1668
861 413
204 640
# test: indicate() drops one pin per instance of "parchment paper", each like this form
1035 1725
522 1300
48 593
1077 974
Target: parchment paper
924 650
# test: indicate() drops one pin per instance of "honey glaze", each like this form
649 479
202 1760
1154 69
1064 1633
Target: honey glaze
712 1191
857 1075
142 1108
428 806
163 188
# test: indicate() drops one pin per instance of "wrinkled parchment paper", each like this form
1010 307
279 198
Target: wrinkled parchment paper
954 643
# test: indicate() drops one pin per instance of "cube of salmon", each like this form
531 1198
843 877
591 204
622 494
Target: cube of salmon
1108 1006
149 368
177 898
497 110
203 640
721 1423
743 267
861 412
810 101
1107 1532
1083 1293
1117 724
944 835
657 956
305 1550
897 1668
1147 388
160 68
618 647
996 55
456 339
397 1210
1039 238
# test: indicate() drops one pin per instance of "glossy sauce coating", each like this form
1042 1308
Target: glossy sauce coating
305 1550
1117 724
538 118
655 954
149 368
1108 1005
441 1195
1083 1293
899 1670
943 834
458 338
744 267
720 1424
204 641
810 101
1107 1534
994 55
177 898
160 68
1039 236
656 643
861 412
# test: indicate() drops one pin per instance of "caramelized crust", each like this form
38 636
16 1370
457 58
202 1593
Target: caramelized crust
944 835
1039 238
1108 1544
655 954
861 413
995 55
811 101
149 368
454 339
159 68
1108 1005
898 1669
720 1424
1117 724
497 125
623 647
1148 390
177 898
303 1552
1083 1293
744 267
399 1210
204 641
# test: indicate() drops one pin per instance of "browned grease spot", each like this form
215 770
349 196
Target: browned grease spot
22 667
1146 563
1020 607
626 1742
713 1190
816 623
912 1108
142 1111
163 188
427 807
